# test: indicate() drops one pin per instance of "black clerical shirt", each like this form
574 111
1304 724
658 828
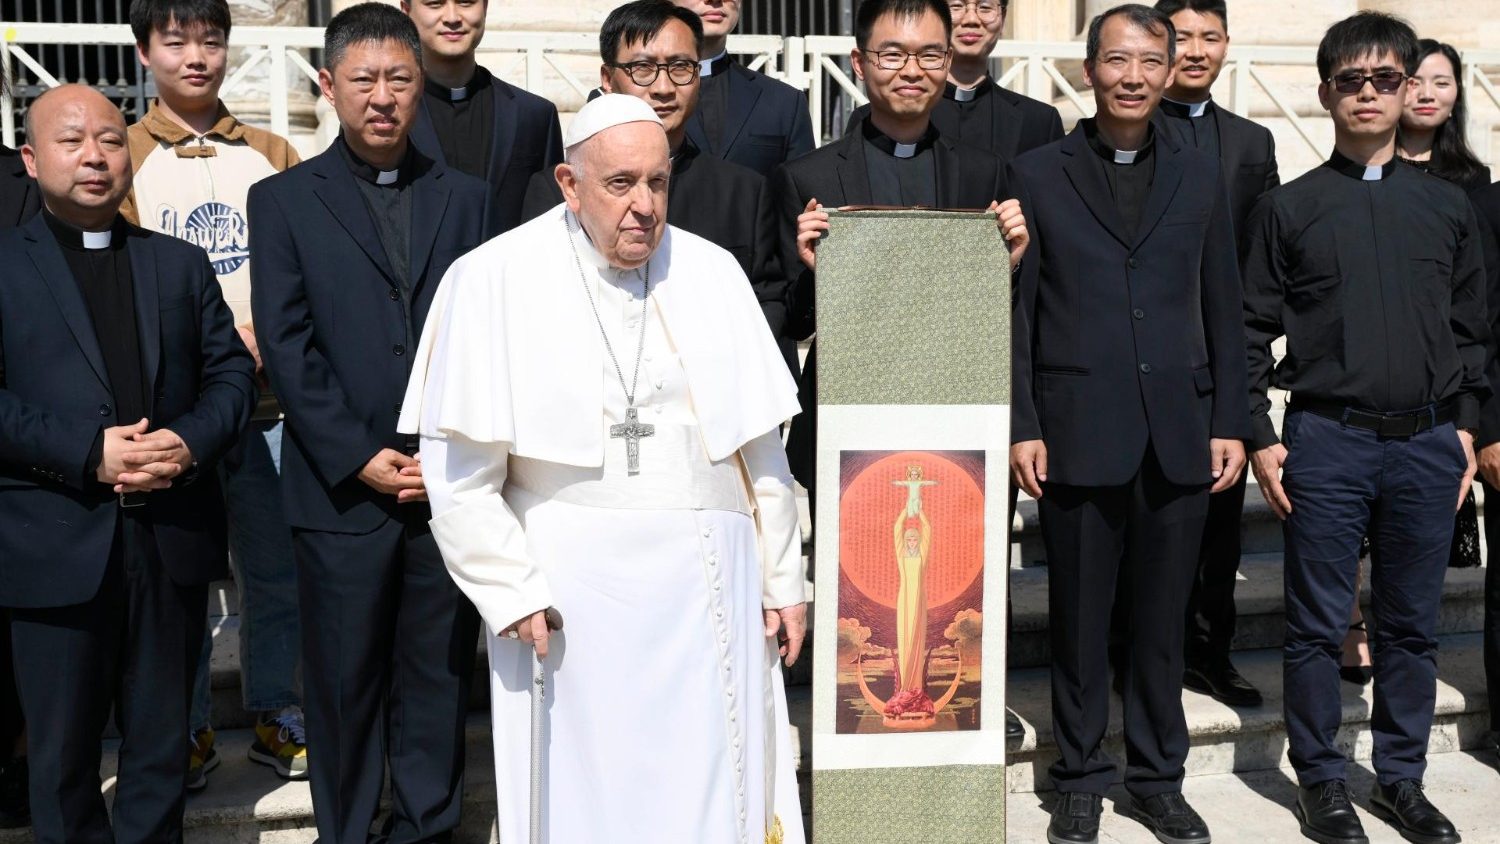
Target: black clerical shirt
1193 124
1128 173
388 196
464 121
713 97
976 112
900 174
104 278
1383 309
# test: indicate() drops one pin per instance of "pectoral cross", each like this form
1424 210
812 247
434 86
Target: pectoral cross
632 430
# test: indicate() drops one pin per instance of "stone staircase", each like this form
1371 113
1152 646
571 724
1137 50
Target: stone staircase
1237 772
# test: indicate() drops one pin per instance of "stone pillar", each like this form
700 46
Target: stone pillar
1042 20
250 100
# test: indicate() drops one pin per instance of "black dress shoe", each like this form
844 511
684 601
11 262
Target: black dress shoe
1327 814
15 810
1013 728
1075 818
1170 818
1222 683
1404 806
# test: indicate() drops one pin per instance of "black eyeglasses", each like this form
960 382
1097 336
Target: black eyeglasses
897 59
1385 81
644 74
987 10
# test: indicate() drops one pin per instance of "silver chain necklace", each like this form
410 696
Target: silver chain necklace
632 429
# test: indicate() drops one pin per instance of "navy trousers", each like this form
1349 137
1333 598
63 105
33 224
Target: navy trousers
388 646
1344 481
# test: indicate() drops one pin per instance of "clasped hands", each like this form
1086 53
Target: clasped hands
137 461
394 473
813 221
791 621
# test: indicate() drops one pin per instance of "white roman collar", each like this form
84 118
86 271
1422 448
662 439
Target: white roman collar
964 95
387 177
1126 156
1373 172
905 150
458 95
97 240
706 66
1193 109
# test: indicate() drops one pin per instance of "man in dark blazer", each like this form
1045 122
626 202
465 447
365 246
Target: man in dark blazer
1127 410
717 200
351 246
877 166
974 108
1247 158
473 122
123 382
743 116
1487 451
19 198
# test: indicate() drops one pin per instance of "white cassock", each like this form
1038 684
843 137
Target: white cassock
666 716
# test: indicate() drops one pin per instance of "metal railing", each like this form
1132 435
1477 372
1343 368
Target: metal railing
1047 71
522 57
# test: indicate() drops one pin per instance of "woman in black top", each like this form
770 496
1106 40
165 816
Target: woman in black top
1433 134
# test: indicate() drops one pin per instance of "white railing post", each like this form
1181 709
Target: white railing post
1239 92
281 119
7 105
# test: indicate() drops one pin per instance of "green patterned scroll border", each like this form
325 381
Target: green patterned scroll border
958 804
934 329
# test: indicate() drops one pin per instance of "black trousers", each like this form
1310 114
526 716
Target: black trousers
388 644
1344 482
1492 601
1210 614
133 646
12 722
1142 540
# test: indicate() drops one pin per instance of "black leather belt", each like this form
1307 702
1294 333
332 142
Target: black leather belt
1403 424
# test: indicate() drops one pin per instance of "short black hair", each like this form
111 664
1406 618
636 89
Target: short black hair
1152 20
1202 7
1360 35
363 23
871 11
642 20
147 16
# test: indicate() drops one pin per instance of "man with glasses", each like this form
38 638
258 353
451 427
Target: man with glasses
745 116
974 108
1384 316
649 50
473 122
898 157
1127 414
1247 158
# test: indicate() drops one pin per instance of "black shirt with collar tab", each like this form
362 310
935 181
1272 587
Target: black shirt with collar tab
713 96
387 195
1129 174
464 121
1383 310
900 174
1194 124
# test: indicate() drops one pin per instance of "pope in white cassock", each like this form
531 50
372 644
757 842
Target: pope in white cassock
598 397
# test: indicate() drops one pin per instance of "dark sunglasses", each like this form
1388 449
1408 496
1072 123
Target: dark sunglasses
1385 81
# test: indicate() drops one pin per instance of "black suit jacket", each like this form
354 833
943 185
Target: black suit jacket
19 197
1247 157
526 140
1021 123
1116 342
835 174
1487 202
766 123
57 522
723 203
335 337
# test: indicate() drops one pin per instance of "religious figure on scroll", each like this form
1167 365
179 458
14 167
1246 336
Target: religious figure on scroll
913 534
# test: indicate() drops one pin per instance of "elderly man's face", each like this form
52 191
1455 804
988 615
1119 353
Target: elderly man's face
620 195
78 155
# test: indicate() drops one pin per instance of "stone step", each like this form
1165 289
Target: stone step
1258 597
245 802
1256 807
1226 740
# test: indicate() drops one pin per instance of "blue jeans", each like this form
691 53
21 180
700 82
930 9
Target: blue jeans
1343 482
260 549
